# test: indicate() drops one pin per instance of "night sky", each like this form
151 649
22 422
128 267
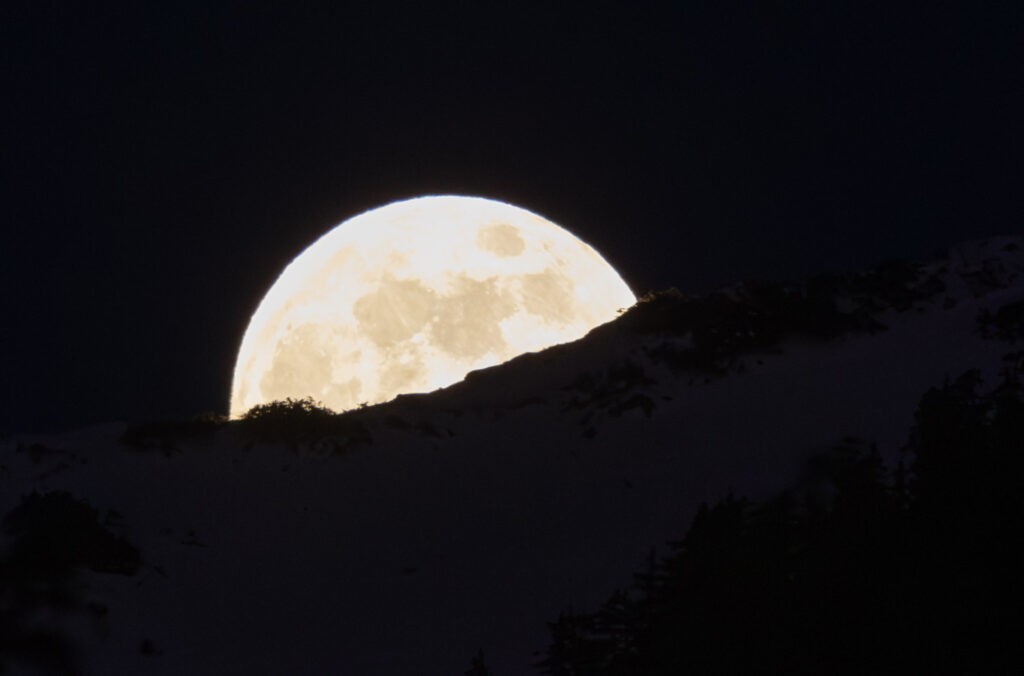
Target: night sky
162 162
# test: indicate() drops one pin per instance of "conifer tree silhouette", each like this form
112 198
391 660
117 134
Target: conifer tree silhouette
478 668
912 569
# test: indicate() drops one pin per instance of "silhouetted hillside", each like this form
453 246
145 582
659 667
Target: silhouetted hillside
862 568
423 534
51 537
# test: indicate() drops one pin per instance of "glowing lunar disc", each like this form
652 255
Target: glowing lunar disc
412 296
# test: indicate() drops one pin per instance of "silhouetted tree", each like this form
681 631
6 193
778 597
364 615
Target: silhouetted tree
1006 323
478 668
967 497
859 569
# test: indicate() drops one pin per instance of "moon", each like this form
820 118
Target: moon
413 295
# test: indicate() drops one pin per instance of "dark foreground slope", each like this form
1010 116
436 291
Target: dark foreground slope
858 568
404 538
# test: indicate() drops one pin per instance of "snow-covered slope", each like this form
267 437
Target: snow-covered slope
467 518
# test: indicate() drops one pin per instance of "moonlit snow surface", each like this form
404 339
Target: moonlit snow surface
413 295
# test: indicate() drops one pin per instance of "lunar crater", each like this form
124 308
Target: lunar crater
395 311
472 315
549 294
502 240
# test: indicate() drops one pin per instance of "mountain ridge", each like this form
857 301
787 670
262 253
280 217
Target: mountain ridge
466 518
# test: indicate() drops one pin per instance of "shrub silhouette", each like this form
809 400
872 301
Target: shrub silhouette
755 316
304 421
55 532
289 409
1007 323
167 434
50 535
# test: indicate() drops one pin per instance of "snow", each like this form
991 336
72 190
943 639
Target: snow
408 555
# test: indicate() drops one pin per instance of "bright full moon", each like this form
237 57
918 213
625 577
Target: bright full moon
412 296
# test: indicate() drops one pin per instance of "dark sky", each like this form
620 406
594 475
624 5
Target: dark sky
163 161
